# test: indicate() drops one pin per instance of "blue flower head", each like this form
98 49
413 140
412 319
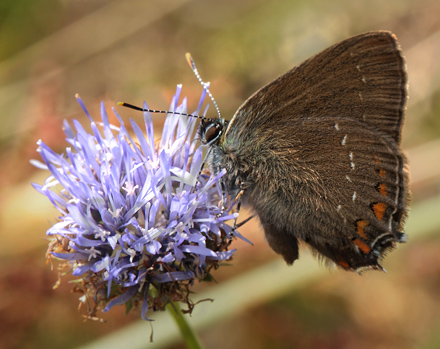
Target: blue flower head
139 220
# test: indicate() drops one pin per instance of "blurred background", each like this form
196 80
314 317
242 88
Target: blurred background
134 51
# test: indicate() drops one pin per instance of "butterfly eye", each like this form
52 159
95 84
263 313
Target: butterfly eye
212 132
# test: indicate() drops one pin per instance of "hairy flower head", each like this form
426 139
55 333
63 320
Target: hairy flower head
139 220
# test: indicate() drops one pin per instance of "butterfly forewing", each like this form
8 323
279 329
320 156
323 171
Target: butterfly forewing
363 77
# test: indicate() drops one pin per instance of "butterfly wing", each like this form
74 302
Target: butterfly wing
317 151
363 76
354 201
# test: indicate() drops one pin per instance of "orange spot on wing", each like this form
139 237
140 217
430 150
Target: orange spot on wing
379 210
344 264
382 173
362 246
360 228
383 190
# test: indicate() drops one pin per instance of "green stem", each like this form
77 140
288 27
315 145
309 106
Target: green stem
190 337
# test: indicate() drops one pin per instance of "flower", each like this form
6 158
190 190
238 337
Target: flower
140 221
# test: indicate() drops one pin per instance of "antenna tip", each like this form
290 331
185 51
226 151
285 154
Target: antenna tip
120 104
190 60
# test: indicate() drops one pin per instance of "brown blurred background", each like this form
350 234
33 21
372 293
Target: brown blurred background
134 51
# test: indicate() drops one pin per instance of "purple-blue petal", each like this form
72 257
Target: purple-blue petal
122 299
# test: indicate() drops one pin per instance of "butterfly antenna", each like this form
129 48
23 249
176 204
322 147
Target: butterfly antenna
131 106
205 85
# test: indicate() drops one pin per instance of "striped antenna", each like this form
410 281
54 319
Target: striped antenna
131 106
204 85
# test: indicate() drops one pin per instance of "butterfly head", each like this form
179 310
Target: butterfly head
211 130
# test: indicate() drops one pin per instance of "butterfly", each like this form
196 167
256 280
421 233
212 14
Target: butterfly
315 153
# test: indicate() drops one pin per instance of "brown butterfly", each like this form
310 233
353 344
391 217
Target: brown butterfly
315 153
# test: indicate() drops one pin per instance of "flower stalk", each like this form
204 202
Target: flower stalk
191 339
